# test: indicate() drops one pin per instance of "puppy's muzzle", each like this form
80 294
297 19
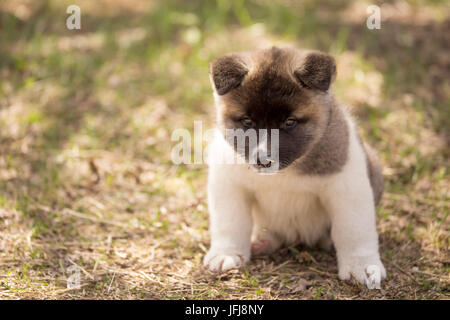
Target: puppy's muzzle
264 162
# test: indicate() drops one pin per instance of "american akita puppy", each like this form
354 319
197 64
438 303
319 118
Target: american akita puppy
327 181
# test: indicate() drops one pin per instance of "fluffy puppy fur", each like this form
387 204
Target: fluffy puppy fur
328 181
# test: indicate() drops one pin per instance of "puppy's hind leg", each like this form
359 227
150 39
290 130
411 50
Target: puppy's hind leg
326 242
264 241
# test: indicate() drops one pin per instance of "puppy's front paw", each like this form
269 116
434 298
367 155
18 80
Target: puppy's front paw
365 270
222 260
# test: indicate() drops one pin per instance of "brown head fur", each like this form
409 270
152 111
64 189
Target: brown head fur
270 86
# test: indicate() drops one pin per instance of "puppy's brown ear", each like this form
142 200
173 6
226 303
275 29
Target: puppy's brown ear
316 70
227 72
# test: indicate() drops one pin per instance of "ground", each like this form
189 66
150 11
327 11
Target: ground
86 118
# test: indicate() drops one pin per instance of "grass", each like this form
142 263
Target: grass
86 118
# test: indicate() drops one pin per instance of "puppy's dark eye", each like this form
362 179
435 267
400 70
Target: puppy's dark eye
290 123
247 122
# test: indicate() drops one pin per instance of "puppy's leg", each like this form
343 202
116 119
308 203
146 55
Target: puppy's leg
351 207
230 223
264 241
325 242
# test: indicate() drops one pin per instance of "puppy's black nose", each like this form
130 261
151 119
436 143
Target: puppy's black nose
264 162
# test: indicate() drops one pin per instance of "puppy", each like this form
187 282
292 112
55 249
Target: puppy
326 182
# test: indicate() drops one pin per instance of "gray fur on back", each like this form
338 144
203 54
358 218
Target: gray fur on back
375 172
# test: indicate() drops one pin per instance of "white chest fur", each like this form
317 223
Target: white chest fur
288 205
